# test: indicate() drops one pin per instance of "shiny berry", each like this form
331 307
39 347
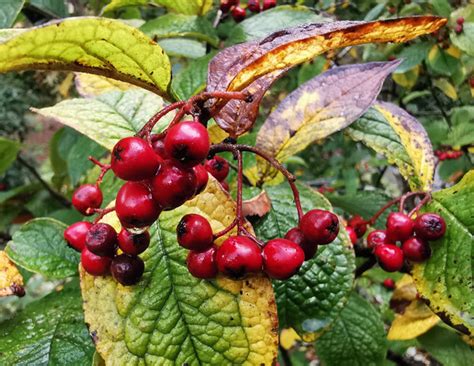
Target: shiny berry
253 6
102 239
86 197
201 178
377 237
133 244
352 234
399 226
75 234
389 256
237 256
416 249
194 233
173 185
202 264
158 145
135 206
282 258
218 167
238 13
127 269
268 4
430 226
389 284
187 142
225 5
134 159
296 236
319 226
95 264
358 224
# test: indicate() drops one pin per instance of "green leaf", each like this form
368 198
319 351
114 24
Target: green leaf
313 298
189 7
39 247
9 10
267 22
446 279
50 331
357 337
442 7
101 46
8 151
447 347
54 8
173 318
107 117
391 131
412 56
181 47
442 62
180 25
192 79
117 4
77 162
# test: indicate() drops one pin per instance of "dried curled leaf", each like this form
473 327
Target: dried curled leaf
11 281
259 205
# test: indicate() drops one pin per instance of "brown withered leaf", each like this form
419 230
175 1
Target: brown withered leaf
259 205
11 281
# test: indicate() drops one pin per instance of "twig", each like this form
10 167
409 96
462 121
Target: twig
368 264
285 356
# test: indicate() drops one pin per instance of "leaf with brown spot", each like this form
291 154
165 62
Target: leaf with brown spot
11 281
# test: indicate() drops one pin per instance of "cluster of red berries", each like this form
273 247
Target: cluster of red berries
448 155
239 13
356 228
414 236
459 25
240 255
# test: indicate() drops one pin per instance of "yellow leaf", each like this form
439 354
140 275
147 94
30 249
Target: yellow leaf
407 79
190 7
447 88
89 85
216 134
288 338
416 320
11 281
65 85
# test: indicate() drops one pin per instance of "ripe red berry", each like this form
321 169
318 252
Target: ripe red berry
194 233
458 29
388 283
75 234
201 178
187 142
135 206
173 185
460 20
134 159
268 4
358 224
399 226
158 145
101 239
430 226
225 5
237 256
253 6
352 234
282 258
391 58
218 167
127 269
238 13
389 256
202 264
416 249
86 197
133 244
319 226
95 264
471 82
392 10
296 236
377 237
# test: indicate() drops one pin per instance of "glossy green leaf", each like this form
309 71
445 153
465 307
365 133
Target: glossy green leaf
39 247
50 331
8 152
101 46
446 279
108 117
9 10
192 79
357 337
412 56
313 298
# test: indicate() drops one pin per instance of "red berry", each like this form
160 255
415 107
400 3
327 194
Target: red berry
296 236
202 264
158 145
430 226
458 29
225 5
133 244
253 6
101 239
95 264
352 234
86 197
268 4
416 249
358 224
319 226
237 256
389 256
127 269
392 10
173 185
399 226
187 142
471 82
225 185
135 206
75 234
460 20
201 178
388 283
134 159
391 58
238 13
194 233
218 167
282 258
377 237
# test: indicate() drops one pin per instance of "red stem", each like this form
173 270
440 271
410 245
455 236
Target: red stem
239 192
102 212
148 127
104 168
226 230
420 204
374 218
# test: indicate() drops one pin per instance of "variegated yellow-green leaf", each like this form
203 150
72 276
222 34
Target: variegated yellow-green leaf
90 85
391 131
446 279
95 45
189 7
407 79
320 107
172 318
11 281
446 87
